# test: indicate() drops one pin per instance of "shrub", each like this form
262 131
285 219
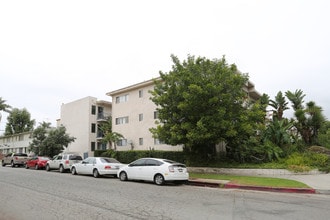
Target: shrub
131 155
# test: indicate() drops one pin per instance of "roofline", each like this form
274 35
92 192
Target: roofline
135 86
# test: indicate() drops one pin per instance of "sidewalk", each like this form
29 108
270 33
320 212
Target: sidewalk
319 182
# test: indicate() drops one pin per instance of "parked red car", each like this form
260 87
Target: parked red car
37 162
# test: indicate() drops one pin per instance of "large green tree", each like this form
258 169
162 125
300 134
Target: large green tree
199 103
50 142
39 135
18 121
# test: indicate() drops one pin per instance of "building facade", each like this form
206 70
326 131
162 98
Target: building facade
16 143
82 119
133 114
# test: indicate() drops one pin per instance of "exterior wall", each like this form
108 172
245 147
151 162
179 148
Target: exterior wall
17 143
77 118
133 107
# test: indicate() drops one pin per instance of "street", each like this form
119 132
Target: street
37 194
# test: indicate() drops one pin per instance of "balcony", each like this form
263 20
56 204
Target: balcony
102 117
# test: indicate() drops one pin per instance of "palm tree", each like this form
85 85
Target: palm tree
280 105
297 99
110 136
4 107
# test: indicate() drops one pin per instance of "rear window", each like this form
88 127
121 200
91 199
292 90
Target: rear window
20 155
175 164
75 157
109 160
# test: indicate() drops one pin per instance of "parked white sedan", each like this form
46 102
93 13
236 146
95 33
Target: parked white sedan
97 166
155 170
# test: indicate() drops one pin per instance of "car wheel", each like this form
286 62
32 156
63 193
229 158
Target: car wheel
96 173
47 167
73 171
36 167
3 164
61 169
159 179
123 176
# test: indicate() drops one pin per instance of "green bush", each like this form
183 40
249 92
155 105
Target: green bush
131 155
299 162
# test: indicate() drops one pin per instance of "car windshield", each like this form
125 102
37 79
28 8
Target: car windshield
109 160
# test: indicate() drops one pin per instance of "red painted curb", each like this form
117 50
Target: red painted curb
271 189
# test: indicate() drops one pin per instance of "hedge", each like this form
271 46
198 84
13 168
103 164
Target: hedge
131 155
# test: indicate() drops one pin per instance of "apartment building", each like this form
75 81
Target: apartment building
82 119
17 143
133 114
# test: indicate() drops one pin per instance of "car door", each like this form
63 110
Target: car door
134 170
55 163
149 170
87 165
33 161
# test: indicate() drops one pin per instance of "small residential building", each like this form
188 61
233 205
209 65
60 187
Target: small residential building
16 143
82 119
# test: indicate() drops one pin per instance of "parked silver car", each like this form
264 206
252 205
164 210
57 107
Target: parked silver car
97 166
155 170
63 162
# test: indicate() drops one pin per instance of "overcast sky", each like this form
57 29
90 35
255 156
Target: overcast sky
54 52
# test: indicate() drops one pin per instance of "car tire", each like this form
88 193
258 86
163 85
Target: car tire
62 170
159 179
96 173
73 171
47 168
3 164
123 176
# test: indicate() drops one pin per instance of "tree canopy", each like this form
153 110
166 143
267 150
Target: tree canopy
19 121
49 141
200 103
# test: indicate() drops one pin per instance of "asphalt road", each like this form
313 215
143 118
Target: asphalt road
37 194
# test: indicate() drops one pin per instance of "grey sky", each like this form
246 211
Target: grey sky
54 52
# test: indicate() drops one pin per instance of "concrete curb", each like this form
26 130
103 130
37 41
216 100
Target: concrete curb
271 189
227 185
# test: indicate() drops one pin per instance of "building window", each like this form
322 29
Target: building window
157 141
93 128
140 117
93 109
123 98
122 142
140 141
155 114
140 93
122 120
92 146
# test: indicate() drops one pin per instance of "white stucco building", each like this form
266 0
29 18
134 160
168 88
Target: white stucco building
133 114
82 119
